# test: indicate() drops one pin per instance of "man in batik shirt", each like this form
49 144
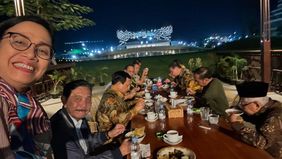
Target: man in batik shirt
183 78
113 109
264 113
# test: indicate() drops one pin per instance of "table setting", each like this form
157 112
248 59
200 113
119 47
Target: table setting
183 131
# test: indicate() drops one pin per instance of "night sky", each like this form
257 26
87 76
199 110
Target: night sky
192 19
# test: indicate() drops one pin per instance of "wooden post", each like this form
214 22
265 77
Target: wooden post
265 41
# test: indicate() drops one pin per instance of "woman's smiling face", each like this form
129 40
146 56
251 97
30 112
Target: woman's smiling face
21 68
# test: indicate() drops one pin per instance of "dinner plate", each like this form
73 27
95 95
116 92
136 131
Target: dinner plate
140 139
142 112
172 96
166 151
233 110
149 100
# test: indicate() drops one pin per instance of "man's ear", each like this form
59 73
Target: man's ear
257 106
64 100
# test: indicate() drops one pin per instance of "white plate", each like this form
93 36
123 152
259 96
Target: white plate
140 139
172 143
235 111
151 120
171 96
142 112
164 152
149 100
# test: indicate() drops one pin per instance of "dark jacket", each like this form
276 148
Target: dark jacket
65 142
213 96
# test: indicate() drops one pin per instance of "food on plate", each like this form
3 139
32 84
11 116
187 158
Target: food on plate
139 132
175 152
194 85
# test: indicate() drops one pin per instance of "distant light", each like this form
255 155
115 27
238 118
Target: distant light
84 48
83 44
91 54
73 57
112 49
150 38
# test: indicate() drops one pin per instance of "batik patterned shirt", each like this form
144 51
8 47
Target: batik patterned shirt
113 109
185 80
267 133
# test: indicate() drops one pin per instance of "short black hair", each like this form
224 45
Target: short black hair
203 72
176 63
73 85
7 24
120 76
136 62
125 68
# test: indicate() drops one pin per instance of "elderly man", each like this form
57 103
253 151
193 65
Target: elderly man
264 113
71 134
213 94
113 109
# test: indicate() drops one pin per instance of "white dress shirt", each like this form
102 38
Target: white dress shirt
82 142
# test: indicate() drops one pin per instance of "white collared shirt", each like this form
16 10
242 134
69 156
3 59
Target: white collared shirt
77 125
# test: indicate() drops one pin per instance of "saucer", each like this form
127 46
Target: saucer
172 96
142 112
148 98
151 120
173 143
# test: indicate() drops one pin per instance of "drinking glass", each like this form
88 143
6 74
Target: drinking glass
204 112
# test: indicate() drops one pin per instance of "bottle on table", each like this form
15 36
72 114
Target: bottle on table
135 148
162 114
189 107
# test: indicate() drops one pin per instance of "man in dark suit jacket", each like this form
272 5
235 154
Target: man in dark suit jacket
72 138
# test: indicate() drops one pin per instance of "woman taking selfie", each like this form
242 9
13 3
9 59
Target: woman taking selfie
25 53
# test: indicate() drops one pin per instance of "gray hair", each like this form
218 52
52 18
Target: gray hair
261 101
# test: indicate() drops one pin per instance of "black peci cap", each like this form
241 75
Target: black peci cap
252 89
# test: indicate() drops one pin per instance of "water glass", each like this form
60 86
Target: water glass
204 112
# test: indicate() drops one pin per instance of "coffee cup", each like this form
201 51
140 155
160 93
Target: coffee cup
173 94
213 118
151 116
148 95
172 136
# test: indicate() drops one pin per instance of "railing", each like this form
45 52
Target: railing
254 64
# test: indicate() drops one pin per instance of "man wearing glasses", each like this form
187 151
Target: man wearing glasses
264 113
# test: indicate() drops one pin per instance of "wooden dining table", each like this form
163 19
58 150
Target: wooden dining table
220 142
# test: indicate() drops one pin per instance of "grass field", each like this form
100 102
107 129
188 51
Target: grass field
158 65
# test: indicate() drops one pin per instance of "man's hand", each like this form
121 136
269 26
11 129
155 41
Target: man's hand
235 118
125 147
140 104
118 129
167 81
190 91
131 94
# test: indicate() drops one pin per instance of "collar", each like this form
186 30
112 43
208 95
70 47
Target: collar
76 123
118 93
